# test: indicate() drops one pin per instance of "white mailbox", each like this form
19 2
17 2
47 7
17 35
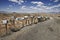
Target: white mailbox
39 16
4 21
26 16
22 18
31 16
19 18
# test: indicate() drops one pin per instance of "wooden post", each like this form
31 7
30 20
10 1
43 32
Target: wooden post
5 22
13 20
6 28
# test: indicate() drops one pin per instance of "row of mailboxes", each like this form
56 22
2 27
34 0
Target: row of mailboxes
42 18
25 21
16 23
20 22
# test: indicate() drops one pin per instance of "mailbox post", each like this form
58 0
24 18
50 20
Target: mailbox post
13 20
13 28
5 22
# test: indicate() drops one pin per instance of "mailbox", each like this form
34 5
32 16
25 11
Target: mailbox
25 16
4 21
19 18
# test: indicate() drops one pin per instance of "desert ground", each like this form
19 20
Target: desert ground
47 30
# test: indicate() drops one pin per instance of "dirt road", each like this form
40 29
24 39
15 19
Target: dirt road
48 30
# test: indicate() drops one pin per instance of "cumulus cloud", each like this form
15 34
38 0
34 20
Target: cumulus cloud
10 6
17 1
55 0
41 7
23 7
7 8
32 7
38 3
13 1
55 6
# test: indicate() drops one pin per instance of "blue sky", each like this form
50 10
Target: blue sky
30 6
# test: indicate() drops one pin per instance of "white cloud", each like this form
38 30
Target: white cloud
13 0
23 7
26 9
55 0
41 5
55 6
44 8
50 0
17 1
49 3
33 7
10 6
35 2
41 8
38 3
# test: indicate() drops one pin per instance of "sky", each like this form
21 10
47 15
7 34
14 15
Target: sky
30 6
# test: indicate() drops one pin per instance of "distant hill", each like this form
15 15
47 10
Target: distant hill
54 12
4 12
